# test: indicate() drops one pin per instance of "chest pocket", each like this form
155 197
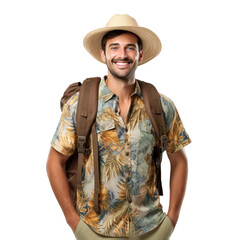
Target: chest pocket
144 138
147 132
146 128
107 136
106 125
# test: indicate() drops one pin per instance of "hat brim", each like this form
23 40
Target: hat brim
150 42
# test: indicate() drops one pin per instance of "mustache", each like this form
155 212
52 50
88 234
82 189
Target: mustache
126 59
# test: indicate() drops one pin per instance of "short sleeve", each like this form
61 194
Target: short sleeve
176 133
64 139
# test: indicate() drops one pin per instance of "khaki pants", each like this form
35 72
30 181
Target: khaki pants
162 232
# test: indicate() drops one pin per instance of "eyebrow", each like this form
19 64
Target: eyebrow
117 44
113 44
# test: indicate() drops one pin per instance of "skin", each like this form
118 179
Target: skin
57 177
122 57
178 182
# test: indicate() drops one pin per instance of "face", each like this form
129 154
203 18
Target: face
122 56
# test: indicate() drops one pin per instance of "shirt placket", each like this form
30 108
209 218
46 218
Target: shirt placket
128 166
127 153
128 159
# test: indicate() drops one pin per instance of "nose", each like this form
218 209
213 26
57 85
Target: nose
122 53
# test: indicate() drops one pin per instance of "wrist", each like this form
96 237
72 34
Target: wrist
173 216
72 220
71 216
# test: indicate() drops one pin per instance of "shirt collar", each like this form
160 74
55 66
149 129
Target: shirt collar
137 90
104 91
107 94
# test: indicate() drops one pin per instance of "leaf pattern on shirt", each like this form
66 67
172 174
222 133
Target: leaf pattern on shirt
122 190
151 176
137 113
88 162
110 140
127 171
148 187
67 139
104 199
112 168
107 114
119 217
177 136
92 218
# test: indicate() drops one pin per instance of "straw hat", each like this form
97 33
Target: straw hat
150 41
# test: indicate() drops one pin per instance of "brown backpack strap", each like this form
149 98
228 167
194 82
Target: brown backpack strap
85 118
96 168
154 109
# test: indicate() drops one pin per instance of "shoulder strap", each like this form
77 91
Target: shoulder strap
85 118
154 109
87 106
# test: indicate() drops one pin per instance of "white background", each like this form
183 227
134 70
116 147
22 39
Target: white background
41 53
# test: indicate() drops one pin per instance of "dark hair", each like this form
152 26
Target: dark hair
115 33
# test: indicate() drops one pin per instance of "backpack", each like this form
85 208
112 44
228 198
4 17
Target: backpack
86 115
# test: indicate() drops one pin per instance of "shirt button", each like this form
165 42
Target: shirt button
127 154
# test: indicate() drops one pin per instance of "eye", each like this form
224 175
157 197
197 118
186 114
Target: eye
131 48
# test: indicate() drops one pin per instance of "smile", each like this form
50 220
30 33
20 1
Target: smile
122 63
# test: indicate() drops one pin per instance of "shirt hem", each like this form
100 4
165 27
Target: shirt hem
60 150
180 146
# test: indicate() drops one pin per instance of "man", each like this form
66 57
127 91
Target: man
129 200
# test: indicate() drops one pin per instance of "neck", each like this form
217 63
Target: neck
123 88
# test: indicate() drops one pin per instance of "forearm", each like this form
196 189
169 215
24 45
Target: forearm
60 186
178 182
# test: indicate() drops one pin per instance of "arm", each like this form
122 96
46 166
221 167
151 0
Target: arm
56 174
178 181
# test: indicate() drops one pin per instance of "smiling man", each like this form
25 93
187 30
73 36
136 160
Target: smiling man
129 202
122 53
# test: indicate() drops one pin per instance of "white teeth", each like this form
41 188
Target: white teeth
121 63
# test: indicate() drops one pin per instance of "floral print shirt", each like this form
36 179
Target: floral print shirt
127 171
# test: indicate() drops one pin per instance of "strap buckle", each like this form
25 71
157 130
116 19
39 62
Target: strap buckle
82 146
163 142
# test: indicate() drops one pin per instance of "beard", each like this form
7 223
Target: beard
122 74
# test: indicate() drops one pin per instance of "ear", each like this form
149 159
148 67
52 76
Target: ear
140 56
103 56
